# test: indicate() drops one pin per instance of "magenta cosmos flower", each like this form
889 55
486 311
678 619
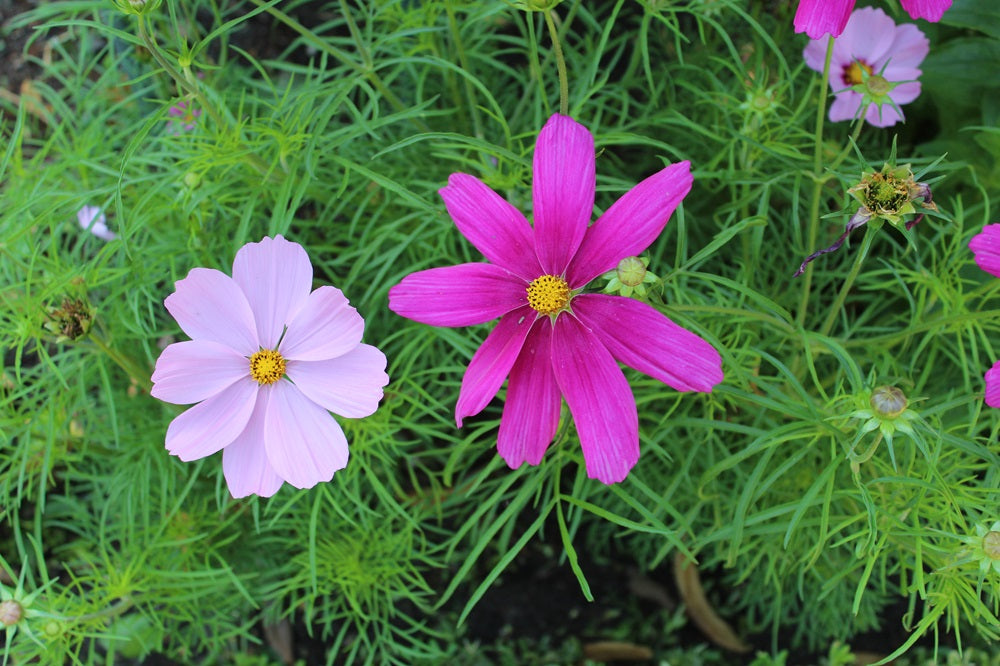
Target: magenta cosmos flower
183 114
986 247
553 341
876 56
267 362
820 17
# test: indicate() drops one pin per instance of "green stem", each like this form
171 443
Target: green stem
859 259
463 60
131 368
858 124
818 181
560 63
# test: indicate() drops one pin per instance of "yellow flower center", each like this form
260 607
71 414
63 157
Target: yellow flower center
853 75
267 366
548 294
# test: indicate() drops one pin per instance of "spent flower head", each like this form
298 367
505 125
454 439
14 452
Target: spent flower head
71 320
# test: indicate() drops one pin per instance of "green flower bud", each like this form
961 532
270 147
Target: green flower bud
888 402
11 613
631 271
991 545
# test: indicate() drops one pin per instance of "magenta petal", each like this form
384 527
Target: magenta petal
643 338
305 445
214 423
461 295
209 305
326 326
531 412
986 247
993 385
349 385
244 460
496 228
819 17
599 398
563 190
932 10
191 371
631 224
276 276
492 362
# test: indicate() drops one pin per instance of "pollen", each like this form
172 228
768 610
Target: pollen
548 294
852 73
267 366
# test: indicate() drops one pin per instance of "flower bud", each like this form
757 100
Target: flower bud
11 613
991 545
888 402
631 271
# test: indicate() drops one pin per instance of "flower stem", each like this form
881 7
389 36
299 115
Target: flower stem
859 259
131 368
560 63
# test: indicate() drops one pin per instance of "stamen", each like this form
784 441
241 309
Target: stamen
548 294
267 366
852 73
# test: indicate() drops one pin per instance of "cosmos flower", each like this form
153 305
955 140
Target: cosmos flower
183 114
267 362
986 247
92 219
820 17
874 67
552 341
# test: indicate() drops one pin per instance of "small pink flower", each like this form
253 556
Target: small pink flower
553 341
874 65
986 247
183 114
92 219
267 362
820 17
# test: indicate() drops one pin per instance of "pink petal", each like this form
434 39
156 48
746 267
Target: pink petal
815 55
209 305
884 116
845 106
932 10
643 338
461 295
349 385
993 385
326 326
563 190
819 17
986 247
492 362
496 228
191 371
305 445
276 276
905 93
909 47
244 461
214 423
631 224
531 412
870 33
599 399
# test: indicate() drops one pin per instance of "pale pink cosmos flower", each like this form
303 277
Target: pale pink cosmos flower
986 247
267 363
92 219
553 341
872 46
821 17
183 114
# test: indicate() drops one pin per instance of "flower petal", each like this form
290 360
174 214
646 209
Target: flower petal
244 461
932 10
305 445
495 227
986 247
531 412
214 423
909 47
492 362
191 371
326 326
993 385
461 295
870 33
845 106
641 337
349 385
276 276
209 305
819 17
599 398
882 116
563 190
631 224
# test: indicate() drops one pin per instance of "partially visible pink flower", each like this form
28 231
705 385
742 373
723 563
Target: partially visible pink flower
821 17
552 341
986 247
92 219
874 65
267 363
183 114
